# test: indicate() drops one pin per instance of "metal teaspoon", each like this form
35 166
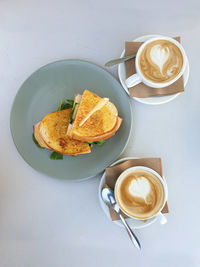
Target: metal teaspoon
118 60
109 198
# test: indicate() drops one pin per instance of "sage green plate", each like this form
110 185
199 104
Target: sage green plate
41 93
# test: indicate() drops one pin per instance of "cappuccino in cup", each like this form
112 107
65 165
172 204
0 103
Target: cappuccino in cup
159 62
140 193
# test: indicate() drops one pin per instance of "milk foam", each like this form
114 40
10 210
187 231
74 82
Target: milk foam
160 61
171 69
159 56
140 194
139 187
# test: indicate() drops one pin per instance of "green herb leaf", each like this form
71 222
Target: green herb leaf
36 142
56 156
100 143
90 143
66 106
60 106
71 102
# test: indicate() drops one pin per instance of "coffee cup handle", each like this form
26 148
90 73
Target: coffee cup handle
162 218
133 80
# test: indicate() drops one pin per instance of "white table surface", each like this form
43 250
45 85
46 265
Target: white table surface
54 223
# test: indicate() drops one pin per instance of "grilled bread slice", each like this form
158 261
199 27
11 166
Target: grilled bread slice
38 136
96 119
52 131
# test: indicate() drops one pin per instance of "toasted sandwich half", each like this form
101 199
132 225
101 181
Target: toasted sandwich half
51 132
93 118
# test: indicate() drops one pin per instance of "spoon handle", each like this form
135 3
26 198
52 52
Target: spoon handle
118 60
132 236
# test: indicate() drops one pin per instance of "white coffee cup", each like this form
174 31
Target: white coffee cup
138 77
159 215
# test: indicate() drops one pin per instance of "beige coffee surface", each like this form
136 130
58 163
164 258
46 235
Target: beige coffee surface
141 90
113 172
140 194
160 61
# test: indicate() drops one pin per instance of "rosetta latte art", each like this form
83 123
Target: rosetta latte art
160 61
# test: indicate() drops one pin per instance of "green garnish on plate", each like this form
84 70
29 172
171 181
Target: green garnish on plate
90 143
99 143
71 102
36 142
56 156
65 105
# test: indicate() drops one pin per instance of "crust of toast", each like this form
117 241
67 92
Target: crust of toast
52 130
101 125
98 137
38 136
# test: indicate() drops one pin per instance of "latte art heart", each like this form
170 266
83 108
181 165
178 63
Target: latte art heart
159 56
140 194
140 187
160 61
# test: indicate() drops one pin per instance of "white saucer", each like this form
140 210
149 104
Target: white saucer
156 100
134 224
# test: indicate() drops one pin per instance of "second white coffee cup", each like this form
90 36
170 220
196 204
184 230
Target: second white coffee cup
159 215
138 77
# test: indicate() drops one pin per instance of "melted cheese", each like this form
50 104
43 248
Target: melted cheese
99 106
